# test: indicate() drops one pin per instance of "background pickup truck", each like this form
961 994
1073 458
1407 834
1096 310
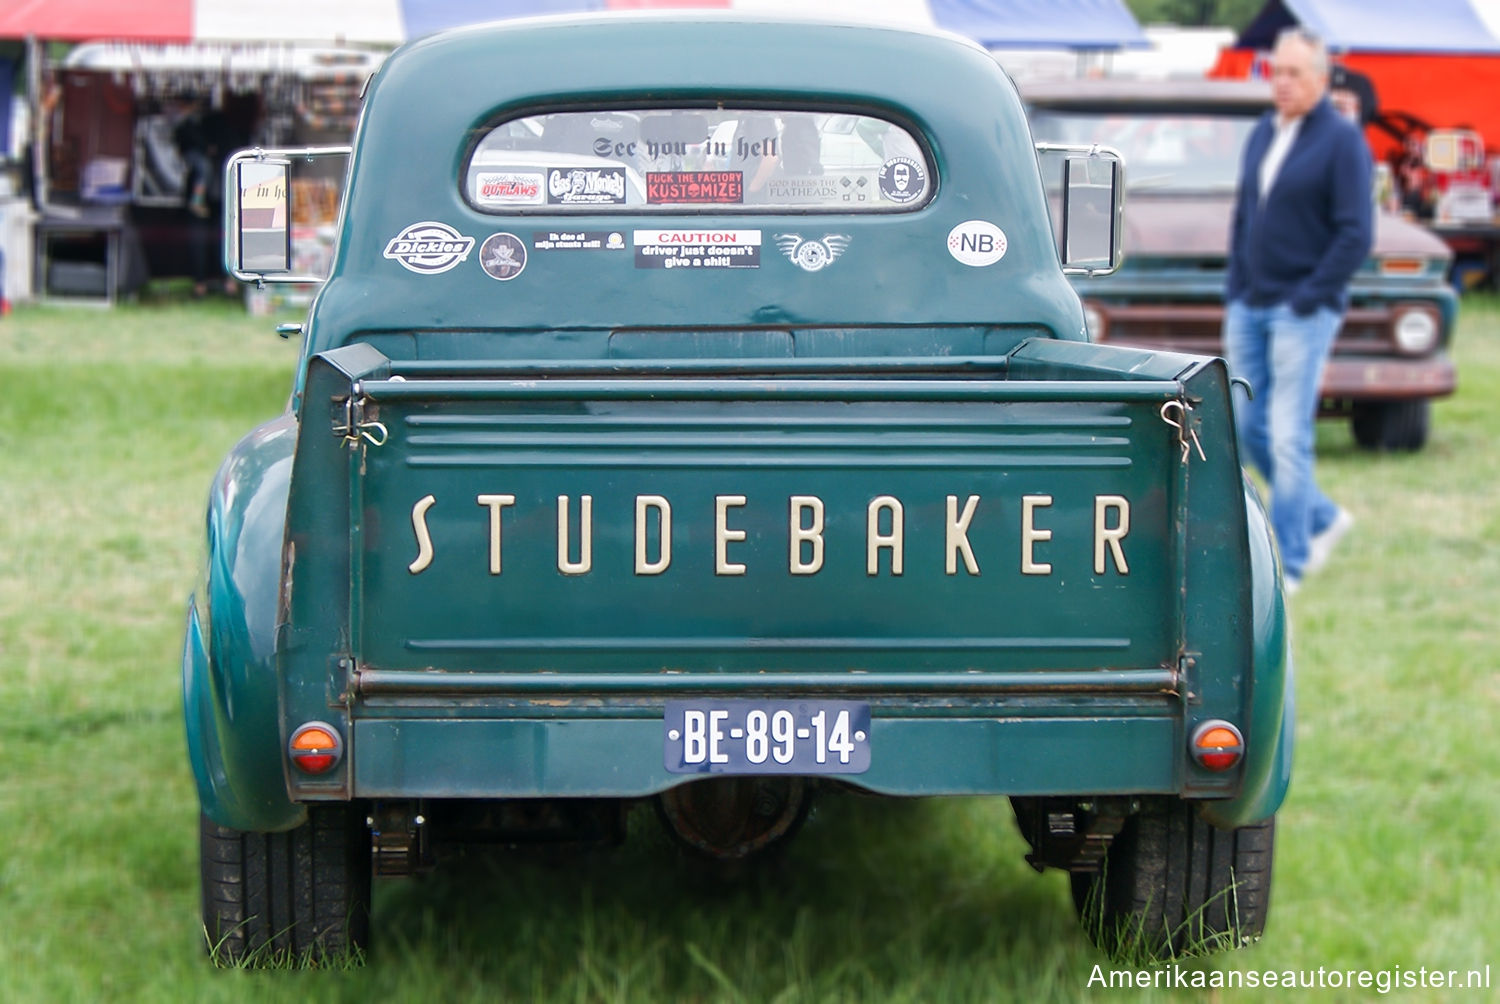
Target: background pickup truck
712 440
1183 140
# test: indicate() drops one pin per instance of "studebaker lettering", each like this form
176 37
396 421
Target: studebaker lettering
805 533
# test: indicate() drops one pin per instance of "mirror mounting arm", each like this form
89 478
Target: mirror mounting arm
1093 247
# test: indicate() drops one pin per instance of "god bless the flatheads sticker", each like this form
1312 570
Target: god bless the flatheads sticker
428 248
502 256
697 249
977 243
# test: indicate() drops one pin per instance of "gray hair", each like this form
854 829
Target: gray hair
1296 33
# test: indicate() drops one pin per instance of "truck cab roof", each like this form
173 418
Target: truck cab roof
437 101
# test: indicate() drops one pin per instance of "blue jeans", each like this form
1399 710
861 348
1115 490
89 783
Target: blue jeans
1283 356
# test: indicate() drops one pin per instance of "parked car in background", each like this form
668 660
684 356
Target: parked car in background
1182 142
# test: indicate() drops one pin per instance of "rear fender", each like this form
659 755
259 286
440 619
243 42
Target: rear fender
229 687
1268 747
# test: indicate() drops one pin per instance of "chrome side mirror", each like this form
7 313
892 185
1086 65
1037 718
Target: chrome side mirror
259 218
263 205
1092 188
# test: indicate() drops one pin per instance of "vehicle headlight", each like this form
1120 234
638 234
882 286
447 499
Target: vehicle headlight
1416 331
1093 319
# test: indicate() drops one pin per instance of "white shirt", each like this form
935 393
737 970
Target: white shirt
1286 134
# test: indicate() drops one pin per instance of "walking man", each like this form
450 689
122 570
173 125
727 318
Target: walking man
1302 226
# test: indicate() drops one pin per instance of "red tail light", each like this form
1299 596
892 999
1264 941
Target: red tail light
1217 745
315 748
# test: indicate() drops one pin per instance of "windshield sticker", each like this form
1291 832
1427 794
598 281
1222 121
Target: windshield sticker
577 240
977 243
710 187
429 248
697 249
502 256
902 179
821 190
603 186
810 255
509 188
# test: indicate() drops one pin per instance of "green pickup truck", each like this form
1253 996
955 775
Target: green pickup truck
696 414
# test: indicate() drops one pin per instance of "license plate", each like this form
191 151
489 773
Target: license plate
766 737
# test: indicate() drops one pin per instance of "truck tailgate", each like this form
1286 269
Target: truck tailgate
903 529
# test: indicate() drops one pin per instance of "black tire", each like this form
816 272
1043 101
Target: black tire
1174 886
287 899
1392 425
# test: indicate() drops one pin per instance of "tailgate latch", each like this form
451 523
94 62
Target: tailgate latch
1187 428
354 426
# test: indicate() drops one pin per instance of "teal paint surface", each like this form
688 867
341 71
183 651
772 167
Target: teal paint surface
896 371
229 657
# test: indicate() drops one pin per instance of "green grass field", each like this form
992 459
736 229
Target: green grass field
111 426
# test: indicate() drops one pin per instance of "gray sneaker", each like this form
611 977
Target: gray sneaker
1321 545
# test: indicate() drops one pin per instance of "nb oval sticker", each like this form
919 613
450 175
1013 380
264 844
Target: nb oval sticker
977 243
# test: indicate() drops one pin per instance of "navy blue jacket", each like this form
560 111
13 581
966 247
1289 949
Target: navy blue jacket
1317 223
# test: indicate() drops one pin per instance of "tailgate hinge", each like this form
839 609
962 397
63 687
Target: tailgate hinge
355 420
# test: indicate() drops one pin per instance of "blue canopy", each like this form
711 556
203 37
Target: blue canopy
995 24
1376 25
1042 24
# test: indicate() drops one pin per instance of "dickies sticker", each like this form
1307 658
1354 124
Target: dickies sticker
429 248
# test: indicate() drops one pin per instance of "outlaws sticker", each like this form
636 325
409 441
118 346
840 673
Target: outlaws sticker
720 187
604 186
429 248
811 255
977 243
502 256
509 188
697 249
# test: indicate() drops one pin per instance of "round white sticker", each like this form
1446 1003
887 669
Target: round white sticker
977 243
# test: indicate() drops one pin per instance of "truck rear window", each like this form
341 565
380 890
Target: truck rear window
698 159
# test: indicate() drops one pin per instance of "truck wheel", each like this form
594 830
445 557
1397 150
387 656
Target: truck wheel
1392 425
290 898
1174 885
